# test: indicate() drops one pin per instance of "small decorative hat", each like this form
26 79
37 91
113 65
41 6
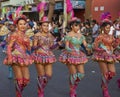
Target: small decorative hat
44 19
20 16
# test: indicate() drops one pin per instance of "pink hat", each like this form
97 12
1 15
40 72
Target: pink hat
44 20
20 17
74 19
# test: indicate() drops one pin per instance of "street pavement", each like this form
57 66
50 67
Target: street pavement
58 86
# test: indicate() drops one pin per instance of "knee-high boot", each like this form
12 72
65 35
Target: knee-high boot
79 77
73 85
110 75
105 80
42 82
25 82
19 87
45 79
105 89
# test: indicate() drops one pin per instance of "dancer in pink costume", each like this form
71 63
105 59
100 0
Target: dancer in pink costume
43 57
73 57
17 57
104 46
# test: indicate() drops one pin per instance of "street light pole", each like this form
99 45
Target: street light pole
65 16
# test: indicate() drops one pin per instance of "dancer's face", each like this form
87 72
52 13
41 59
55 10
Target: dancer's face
21 25
107 28
75 27
45 27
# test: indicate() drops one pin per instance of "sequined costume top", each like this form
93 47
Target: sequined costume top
72 53
103 48
43 53
17 45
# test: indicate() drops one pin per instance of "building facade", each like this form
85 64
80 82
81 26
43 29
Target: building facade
78 6
94 8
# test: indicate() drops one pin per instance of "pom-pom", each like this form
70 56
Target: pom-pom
69 10
106 15
41 8
69 6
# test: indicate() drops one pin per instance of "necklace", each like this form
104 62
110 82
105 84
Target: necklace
44 34
77 35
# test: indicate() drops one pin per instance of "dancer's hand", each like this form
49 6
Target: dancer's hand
9 60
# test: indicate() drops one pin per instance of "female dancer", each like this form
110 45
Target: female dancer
17 57
43 56
103 53
73 57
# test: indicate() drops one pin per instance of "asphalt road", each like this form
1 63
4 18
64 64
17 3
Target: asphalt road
58 86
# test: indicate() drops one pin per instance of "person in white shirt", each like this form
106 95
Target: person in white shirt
95 29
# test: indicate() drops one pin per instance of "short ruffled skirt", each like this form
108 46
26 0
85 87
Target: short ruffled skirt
74 58
43 58
19 60
100 55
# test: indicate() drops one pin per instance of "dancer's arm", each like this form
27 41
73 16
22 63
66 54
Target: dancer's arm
67 42
10 47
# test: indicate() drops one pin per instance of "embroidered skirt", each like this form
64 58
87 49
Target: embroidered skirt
73 58
101 55
19 59
43 58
